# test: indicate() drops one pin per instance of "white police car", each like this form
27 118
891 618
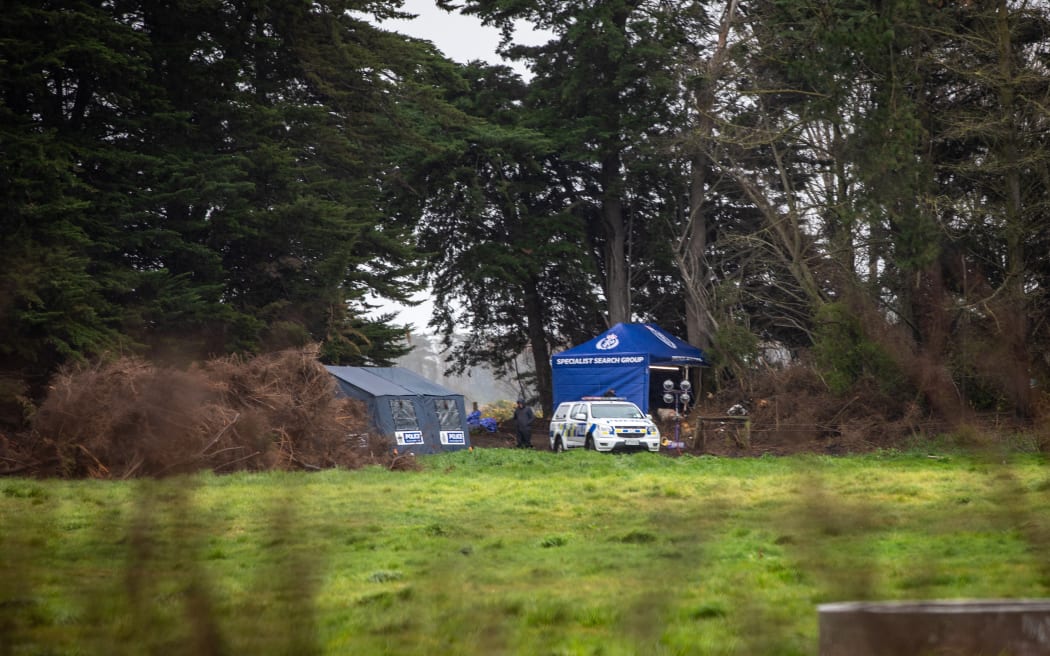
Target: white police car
603 423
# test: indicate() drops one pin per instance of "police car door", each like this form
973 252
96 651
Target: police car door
576 426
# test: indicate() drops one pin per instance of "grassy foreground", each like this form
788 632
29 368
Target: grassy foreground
506 552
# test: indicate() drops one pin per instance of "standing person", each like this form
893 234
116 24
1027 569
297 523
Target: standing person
523 416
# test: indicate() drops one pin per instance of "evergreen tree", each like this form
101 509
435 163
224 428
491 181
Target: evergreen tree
71 75
286 119
188 178
605 91
508 261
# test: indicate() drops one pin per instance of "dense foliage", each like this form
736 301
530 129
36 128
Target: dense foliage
186 179
191 178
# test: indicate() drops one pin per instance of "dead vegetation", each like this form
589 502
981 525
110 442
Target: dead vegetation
129 418
791 410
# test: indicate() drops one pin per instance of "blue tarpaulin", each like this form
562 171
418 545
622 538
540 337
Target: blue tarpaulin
619 359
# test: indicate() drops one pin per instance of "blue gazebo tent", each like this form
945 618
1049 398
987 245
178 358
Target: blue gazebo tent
421 416
623 359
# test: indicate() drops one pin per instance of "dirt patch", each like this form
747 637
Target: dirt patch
506 436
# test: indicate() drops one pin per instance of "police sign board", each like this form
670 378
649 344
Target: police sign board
453 437
405 438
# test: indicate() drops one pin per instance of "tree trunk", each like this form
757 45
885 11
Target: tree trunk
1018 388
617 286
691 251
540 351
698 321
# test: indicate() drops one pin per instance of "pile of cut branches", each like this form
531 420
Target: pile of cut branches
127 417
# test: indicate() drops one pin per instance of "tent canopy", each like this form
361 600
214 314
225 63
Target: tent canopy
422 416
619 359
389 381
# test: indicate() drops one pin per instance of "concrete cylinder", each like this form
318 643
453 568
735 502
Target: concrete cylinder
1008 627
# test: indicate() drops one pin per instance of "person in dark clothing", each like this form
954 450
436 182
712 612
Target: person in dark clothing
523 416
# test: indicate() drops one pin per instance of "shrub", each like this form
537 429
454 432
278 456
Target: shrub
845 355
501 410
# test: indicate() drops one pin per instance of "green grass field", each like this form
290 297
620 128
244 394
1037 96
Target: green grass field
498 551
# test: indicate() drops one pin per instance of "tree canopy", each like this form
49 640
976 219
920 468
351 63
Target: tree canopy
186 178
192 178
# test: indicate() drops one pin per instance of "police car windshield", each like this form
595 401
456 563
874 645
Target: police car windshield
615 411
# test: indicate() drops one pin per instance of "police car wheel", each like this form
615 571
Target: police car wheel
558 445
589 443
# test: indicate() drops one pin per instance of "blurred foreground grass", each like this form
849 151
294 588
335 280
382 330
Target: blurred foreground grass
503 551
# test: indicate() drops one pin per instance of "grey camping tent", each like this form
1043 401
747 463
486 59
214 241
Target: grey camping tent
421 416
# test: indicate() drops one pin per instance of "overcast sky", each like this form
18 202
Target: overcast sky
461 38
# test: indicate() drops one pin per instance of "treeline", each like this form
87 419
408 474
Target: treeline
863 181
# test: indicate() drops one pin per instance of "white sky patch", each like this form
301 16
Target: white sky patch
415 316
462 38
